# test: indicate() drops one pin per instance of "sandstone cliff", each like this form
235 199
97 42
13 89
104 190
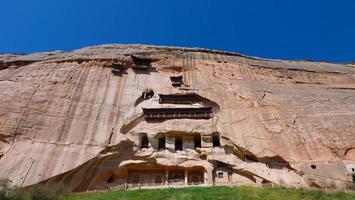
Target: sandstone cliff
67 118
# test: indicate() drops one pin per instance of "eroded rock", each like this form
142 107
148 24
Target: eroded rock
68 118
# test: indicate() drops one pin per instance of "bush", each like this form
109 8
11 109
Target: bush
38 192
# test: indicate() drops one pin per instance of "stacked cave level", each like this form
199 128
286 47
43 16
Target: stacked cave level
175 106
171 145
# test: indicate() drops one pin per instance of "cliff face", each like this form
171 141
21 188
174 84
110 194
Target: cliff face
67 118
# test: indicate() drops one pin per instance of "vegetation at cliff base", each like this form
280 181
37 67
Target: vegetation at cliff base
213 193
193 193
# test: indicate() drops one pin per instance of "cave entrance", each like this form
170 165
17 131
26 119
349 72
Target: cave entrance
147 94
141 61
161 143
178 143
176 81
144 141
215 140
116 68
197 141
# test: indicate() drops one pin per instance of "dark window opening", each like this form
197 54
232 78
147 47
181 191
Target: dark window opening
352 169
111 179
144 141
176 80
197 141
161 143
220 174
178 144
141 61
215 140
117 68
313 166
147 94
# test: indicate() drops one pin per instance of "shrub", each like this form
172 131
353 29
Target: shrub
38 192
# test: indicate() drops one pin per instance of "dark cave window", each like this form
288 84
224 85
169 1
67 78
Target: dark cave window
161 143
197 141
116 68
313 166
141 60
147 94
176 80
178 144
215 140
144 141
111 179
220 174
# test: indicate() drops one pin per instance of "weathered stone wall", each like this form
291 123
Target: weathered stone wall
66 118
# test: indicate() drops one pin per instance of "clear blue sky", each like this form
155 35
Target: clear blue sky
288 29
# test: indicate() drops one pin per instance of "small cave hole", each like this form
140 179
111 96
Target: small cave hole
313 166
111 179
197 141
144 141
116 68
176 81
161 143
178 144
220 174
147 94
352 169
215 140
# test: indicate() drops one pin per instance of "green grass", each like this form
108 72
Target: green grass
215 193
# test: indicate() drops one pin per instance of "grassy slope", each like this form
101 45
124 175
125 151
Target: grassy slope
205 193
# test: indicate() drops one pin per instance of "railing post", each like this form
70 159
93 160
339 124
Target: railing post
186 176
166 177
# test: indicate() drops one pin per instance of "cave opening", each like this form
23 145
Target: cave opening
110 179
144 141
178 143
141 61
147 94
176 81
215 140
197 141
161 143
116 68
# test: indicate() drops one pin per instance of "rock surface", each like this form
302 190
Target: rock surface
66 118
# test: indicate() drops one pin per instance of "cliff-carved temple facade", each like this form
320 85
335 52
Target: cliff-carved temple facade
127 116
